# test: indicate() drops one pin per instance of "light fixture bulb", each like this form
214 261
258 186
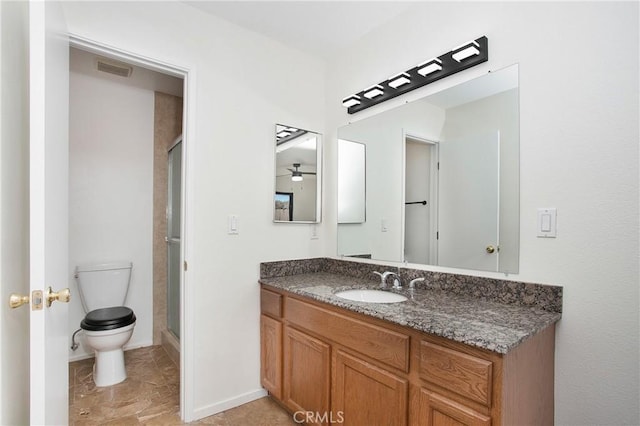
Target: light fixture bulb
350 101
469 49
296 177
399 80
431 66
373 91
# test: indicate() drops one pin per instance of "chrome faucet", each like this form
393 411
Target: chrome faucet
383 279
412 283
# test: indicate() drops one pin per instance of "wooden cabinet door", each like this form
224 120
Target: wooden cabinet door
364 394
271 355
307 373
436 410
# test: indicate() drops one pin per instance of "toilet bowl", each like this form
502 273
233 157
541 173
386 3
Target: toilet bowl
107 330
108 325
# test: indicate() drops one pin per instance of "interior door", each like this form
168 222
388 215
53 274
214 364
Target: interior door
48 211
468 202
14 213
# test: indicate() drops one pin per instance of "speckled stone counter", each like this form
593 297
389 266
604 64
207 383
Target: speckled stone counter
487 313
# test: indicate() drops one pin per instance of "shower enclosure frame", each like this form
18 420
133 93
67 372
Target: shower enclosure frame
173 237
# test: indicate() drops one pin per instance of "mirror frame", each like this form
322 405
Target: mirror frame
318 158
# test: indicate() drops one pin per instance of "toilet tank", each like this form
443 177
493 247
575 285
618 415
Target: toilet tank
103 285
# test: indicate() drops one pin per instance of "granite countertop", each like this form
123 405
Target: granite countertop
490 325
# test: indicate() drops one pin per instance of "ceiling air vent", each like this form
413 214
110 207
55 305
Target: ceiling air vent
114 67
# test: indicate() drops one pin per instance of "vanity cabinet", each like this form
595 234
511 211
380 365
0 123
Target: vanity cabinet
350 368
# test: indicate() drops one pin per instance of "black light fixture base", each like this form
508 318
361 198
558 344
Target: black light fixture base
448 65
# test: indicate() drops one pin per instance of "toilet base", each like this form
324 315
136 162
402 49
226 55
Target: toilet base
108 368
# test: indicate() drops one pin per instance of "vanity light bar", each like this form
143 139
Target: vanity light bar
282 134
465 56
288 133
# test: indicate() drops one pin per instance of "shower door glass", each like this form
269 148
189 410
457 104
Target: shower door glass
173 239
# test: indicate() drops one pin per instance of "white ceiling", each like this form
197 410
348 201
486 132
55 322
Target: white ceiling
323 28
320 28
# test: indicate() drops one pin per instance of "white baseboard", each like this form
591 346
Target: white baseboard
227 404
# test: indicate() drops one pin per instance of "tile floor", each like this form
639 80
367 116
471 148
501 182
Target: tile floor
151 396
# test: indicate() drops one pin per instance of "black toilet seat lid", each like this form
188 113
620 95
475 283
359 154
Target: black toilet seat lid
108 318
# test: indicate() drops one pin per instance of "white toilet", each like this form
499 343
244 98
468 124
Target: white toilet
108 325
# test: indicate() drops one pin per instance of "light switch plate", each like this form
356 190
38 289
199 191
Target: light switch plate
547 223
234 224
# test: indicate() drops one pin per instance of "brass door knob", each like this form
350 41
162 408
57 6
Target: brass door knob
17 300
490 249
63 295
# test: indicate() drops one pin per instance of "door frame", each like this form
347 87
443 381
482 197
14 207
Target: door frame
187 322
433 192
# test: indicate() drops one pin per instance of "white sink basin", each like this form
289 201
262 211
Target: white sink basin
371 296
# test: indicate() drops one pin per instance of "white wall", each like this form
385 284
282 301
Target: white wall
14 214
241 85
579 153
111 190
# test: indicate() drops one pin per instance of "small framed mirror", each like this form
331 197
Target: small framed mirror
298 175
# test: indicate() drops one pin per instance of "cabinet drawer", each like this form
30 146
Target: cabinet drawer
458 372
379 343
270 303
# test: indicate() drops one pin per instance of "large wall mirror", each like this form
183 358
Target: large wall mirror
442 179
297 195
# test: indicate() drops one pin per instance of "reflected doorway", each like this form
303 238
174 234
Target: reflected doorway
421 201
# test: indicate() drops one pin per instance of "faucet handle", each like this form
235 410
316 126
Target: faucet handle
383 277
413 282
397 283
